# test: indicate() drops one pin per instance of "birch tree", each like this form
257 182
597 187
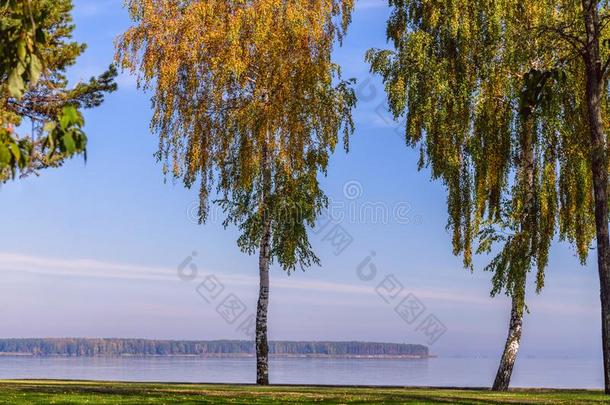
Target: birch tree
492 109
248 104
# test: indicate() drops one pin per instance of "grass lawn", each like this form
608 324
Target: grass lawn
85 392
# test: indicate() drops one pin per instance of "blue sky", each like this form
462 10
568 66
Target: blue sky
93 249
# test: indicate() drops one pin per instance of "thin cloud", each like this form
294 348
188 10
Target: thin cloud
90 268
97 269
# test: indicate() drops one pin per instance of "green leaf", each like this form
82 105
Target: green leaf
15 151
68 143
69 116
21 50
5 156
35 69
16 86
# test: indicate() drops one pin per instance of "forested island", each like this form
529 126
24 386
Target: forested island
86 347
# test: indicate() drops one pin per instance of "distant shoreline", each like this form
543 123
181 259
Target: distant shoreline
118 347
231 356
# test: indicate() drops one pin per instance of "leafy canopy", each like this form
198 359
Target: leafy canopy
488 99
246 98
35 50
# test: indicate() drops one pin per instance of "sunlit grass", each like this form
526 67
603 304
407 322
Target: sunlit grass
84 392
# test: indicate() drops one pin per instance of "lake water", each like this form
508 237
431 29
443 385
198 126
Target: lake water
463 372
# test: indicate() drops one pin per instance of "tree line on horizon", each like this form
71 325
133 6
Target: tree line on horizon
88 347
507 102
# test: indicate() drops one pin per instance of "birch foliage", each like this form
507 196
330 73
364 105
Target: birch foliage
235 83
472 79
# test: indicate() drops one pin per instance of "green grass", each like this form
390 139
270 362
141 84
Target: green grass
86 392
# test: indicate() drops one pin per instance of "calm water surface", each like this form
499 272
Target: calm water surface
474 372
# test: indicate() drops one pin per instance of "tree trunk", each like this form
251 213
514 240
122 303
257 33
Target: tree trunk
595 89
505 371
526 237
600 188
262 344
